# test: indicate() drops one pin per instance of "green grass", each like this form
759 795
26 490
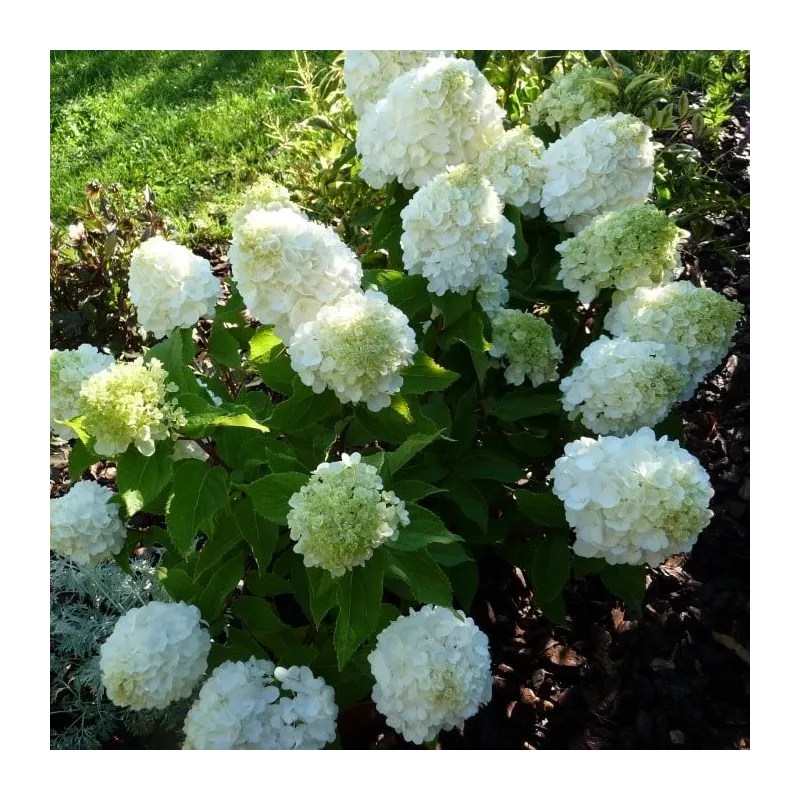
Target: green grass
194 125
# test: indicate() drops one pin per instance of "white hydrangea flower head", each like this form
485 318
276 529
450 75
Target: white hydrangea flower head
432 672
454 231
156 654
513 166
493 293
440 114
343 514
621 385
264 194
526 343
632 500
170 286
573 98
253 705
602 165
631 247
84 526
368 73
68 370
356 346
698 323
127 404
287 267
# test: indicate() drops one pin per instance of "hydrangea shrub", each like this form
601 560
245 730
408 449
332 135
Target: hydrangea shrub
325 457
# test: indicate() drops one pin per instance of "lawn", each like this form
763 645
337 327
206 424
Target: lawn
194 125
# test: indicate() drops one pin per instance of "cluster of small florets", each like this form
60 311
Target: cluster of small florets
356 346
170 286
68 370
600 166
442 113
632 500
264 194
84 526
635 246
432 672
287 267
526 342
454 231
127 404
493 293
697 323
368 73
512 165
574 97
621 385
254 705
155 655
342 515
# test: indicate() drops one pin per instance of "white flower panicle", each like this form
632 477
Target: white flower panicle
68 370
526 342
573 98
156 655
602 165
356 346
621 385
698 324
84 526
454 232
343 514
253 705
493 293
368 73
632 500
287 267
513 167
432 672
127 404
264 194
440 114
631 247
170 286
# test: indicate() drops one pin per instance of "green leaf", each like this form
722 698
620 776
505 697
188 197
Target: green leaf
402 419
454 306
550 567
554 609
270 494
409 293
469 330
225 538
531 444
322 588
520 245
487 465
424 528
407 450
375 460
422 575
448 555
525 402
469 500
543 508
464 579
436 410
200 491
672 427
267 585
175 353
202 417
587 566
465 425
425 375
81 457
177 583
303 408
414 490
268 356
219 585
358 596
238 446
259 616
480 361
626 582
140 479
262 536
223 347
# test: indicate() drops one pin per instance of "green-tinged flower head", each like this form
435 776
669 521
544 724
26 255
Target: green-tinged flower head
635 246
526 342
128 404
696 322
342 514
265 194
574 97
